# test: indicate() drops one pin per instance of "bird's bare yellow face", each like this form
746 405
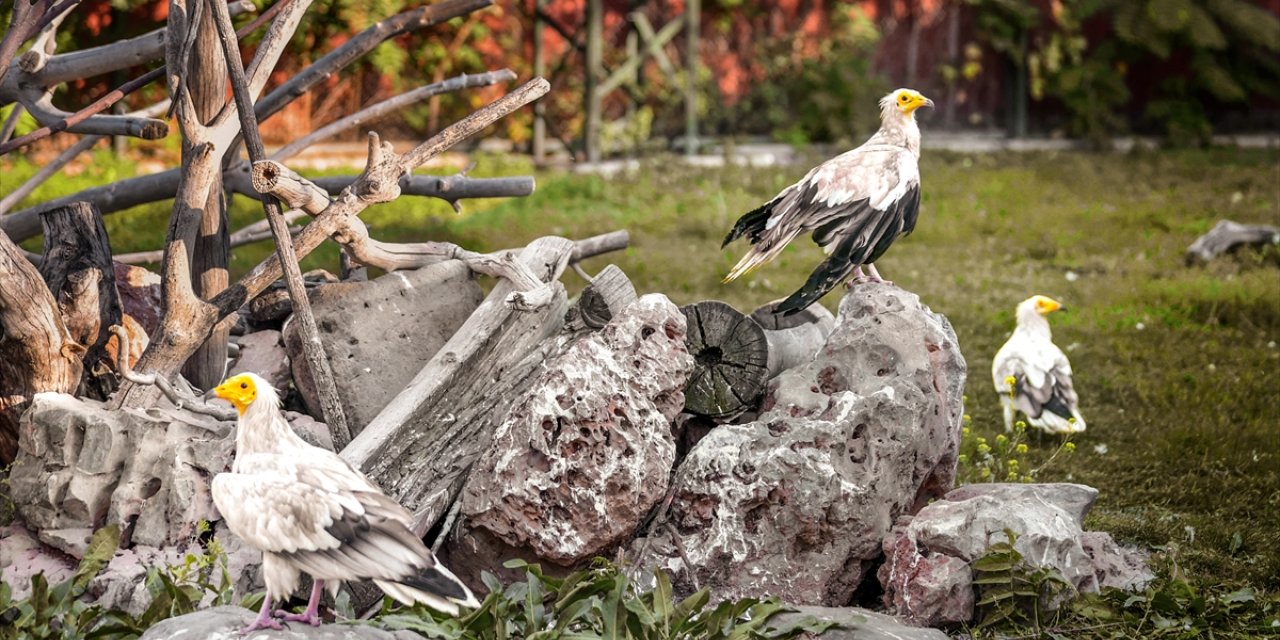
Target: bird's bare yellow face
239 390
908 100
1046 305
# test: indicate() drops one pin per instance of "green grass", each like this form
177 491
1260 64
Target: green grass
1186 406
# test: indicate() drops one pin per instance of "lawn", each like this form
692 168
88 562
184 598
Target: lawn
1178 368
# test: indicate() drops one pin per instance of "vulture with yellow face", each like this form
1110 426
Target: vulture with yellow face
856 205
308 510
1032 374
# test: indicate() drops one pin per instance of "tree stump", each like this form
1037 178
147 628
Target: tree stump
608 294
793 339
36 351
77 267
731 357
1227 235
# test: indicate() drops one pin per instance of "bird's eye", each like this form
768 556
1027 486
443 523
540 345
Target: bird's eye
244 385
903 98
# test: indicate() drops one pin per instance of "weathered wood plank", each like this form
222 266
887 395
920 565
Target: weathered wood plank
419 448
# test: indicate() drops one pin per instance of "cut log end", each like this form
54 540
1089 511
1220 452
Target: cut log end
731 357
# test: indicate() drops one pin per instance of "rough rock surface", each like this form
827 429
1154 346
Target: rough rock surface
316 433
926 575
867 431
81 466
378 334
1115 566
23 556
224 623
263 353
586 452
139 291
858 624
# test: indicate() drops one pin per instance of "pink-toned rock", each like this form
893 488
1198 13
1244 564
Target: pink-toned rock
23 556
139 295
586 452
1115 566
934 589
263 353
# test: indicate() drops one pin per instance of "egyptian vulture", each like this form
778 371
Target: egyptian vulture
1032 375
309 510
856 204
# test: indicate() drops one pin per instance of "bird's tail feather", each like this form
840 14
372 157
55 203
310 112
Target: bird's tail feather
434 586
826 277
752 223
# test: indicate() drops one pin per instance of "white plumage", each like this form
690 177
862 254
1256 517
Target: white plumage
856 205
1042 387
308 510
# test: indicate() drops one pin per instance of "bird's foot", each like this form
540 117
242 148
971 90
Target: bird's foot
309 617
874 276
263 623
858 277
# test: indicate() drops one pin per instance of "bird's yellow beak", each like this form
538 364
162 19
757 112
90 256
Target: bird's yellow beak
1046 305
914 100
239 390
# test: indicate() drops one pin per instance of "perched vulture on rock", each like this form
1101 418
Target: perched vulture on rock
856 204
1032 375
309 510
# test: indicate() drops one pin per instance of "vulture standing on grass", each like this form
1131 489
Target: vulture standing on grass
1041 376
856 204
309 510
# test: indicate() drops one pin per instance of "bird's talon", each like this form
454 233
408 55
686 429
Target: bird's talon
308 618
259 624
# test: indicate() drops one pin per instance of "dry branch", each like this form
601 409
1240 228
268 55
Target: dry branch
46 172
313 350
180 399
378 183
78 271
37 352
1226 236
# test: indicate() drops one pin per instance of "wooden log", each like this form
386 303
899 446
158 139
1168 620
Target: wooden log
37 352
1227 235
731 357
793 339
608 293
78 270
419 448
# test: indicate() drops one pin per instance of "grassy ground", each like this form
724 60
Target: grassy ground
1178 368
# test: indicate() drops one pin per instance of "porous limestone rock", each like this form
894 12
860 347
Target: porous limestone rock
796 504
1116 567
586 452
926 575
378 334
856 624
225 623
81 466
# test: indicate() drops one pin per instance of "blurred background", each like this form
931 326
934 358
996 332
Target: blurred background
795 71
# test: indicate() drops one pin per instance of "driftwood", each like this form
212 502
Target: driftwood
313 350
731 357
609 292
1226 236
420 446
793 339
37 353
77 268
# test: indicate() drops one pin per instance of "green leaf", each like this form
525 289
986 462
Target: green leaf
991 563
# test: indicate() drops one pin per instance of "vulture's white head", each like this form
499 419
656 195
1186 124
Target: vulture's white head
1032 311
244 390
904 102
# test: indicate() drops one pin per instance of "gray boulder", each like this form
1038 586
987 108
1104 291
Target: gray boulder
866 432
857 624
82 466
1116 567
586 452
225 623
378 334
926 575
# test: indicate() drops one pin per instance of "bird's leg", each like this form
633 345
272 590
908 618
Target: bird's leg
875 275
312 615
858 277
264 619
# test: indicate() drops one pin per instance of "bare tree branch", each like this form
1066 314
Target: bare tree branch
392 105
46 172
361 44
11 122
312 348
179 399
87 121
